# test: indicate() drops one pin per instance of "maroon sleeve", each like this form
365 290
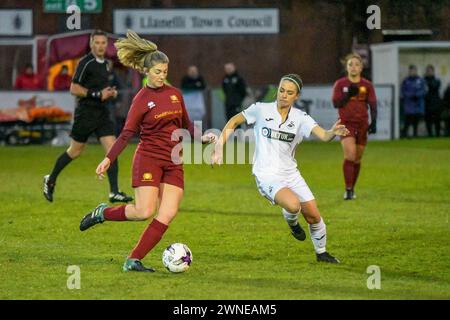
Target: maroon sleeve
371 97
132 126
372 101
337 93
339 99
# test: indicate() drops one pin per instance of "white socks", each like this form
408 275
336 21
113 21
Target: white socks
291 218
318 233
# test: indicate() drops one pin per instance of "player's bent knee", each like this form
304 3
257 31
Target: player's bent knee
312 220
293 206
75 155
74 152
145 213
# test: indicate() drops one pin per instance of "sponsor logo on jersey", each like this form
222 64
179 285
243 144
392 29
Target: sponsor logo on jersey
174 99
147 176
168 113
277 135
269 119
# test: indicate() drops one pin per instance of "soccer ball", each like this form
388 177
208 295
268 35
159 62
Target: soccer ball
177 257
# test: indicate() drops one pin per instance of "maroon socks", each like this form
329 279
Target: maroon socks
115 213
149 239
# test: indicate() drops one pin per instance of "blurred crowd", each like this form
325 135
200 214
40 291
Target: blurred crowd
421 101
420 96
193 86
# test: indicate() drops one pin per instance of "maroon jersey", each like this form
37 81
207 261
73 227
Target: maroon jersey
355 110
155 114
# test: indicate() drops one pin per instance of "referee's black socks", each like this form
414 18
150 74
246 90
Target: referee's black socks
60 164
112 177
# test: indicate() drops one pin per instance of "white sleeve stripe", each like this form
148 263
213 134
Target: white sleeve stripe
82 71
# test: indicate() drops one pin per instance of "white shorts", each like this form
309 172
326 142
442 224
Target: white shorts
269 185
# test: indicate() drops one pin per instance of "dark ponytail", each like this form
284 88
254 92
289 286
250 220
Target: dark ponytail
295 78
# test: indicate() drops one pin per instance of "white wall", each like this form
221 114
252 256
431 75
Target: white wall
384 71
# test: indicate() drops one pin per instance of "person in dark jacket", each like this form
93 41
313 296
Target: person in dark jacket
446 110
193 86
193 81
235 90
432 102
413 93
90 85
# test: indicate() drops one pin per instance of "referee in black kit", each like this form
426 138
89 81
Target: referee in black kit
90 86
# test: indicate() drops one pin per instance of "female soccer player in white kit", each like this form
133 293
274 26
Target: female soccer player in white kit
278 128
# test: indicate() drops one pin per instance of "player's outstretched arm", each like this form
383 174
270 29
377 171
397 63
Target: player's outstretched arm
337 129
217 153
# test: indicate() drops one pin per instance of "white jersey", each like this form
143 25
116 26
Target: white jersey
275 140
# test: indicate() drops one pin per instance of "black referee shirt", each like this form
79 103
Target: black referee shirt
91 74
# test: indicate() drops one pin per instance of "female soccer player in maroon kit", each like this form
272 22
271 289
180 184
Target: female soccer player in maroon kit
156 112
351 96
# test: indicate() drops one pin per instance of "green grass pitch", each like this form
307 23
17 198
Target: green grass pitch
241 245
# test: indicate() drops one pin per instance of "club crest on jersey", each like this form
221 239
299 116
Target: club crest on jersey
151 104
174 99
147 177
291 124
277 135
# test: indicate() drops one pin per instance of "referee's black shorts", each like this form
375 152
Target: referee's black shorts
89 120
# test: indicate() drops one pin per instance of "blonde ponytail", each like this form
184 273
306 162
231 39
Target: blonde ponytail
138 53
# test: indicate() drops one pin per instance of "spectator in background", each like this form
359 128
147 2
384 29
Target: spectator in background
446 110
193 80
63 80
432 102
412 94
28 80
192 86
235 90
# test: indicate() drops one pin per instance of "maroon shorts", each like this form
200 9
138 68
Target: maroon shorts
358 130
150 172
